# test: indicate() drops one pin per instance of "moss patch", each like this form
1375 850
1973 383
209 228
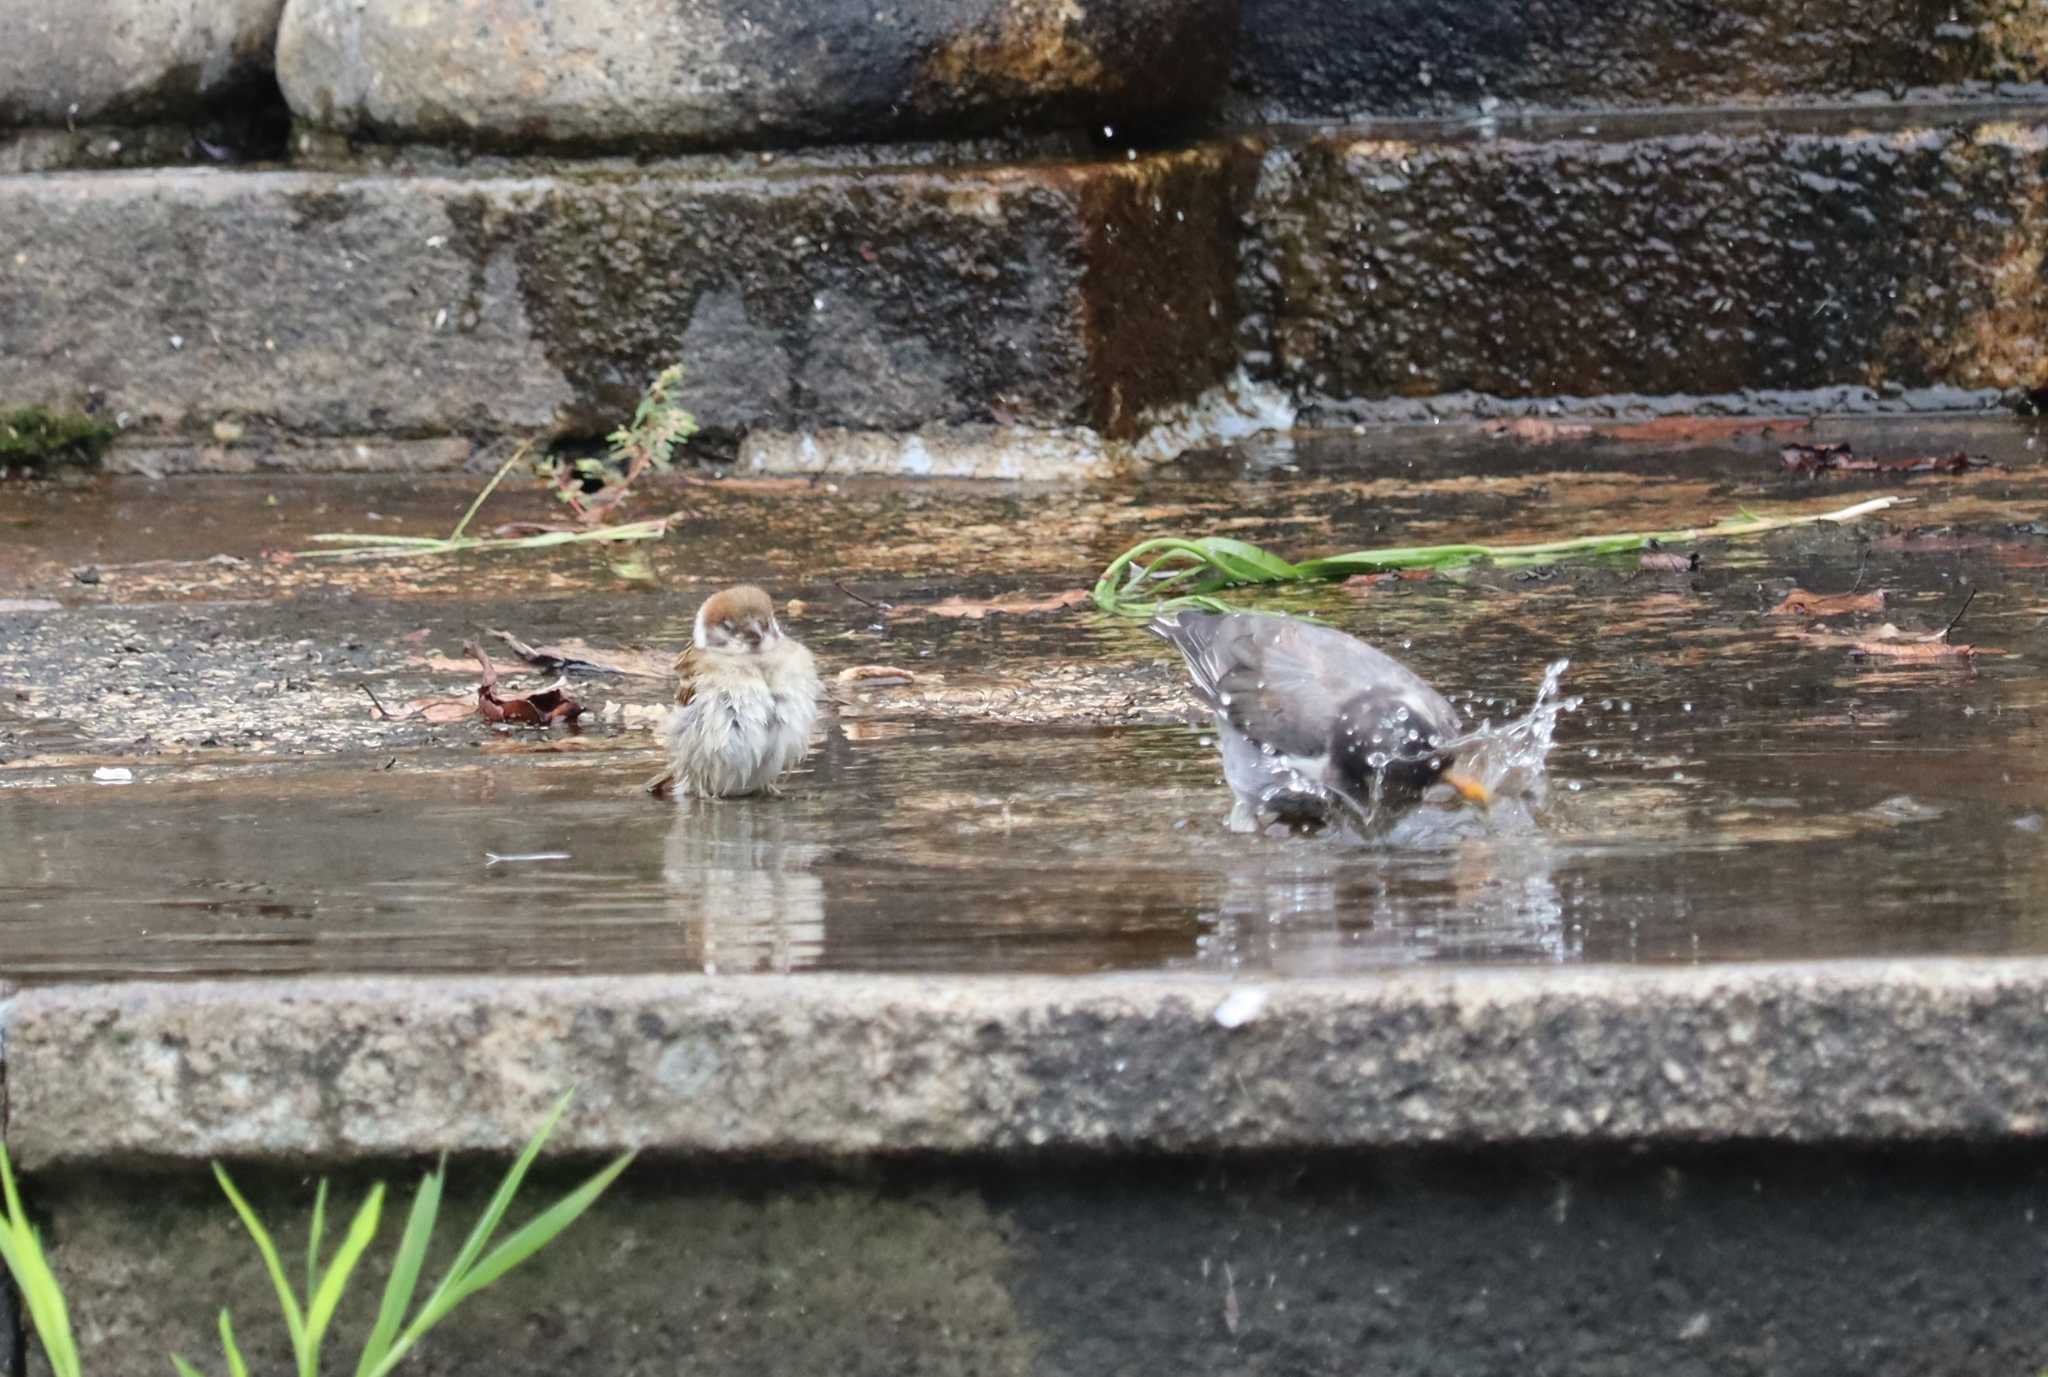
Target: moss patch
35 436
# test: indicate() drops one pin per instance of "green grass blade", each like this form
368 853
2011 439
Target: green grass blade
21 1248
334 537
294 1320
405 1270
231 1350
322 1303
22 1254
538 1232
438 1303
489 488
185 1369
313 1236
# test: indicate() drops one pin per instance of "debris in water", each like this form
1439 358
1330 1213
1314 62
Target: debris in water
113 774
1240 1007
492 858
420 709
1800 603
974 609
580 657
1668 562
1704 429
877 675
1839 458
1231 1313
1535 430
542 709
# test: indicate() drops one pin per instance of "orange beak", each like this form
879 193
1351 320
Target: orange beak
1469 789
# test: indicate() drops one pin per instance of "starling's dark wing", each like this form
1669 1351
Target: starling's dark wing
1283 681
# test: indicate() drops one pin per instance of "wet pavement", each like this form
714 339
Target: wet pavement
1735 785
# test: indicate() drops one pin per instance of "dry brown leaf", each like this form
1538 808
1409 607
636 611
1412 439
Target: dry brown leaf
1668 562
1800 603
545 708
973 609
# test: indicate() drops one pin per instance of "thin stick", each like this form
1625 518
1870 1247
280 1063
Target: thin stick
864 602
1959 614
489 488
382 711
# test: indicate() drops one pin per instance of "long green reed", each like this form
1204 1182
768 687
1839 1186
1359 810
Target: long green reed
1171 573
356 546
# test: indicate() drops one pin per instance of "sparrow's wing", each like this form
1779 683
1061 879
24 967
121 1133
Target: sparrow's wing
1282 681
686 668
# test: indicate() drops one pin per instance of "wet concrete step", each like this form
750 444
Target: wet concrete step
1840 260
1790 1170
1317 59
970 319
1044 318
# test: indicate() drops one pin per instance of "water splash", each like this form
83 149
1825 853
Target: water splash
1509 758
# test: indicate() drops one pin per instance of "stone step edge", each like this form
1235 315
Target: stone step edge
846 1066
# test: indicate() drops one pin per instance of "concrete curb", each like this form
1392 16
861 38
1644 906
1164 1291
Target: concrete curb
846 1066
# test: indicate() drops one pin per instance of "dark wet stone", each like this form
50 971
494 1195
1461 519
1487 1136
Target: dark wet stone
1903 262
409 308
84 60
1802 1263
1332 57
646 73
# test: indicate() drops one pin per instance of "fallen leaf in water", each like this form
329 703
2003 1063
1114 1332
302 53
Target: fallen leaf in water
438 709
580 657
415 637
876 673
1360 583
1668 562
1535 430
1699 429
1800 603
1889 641
1838 458
973 610
541 709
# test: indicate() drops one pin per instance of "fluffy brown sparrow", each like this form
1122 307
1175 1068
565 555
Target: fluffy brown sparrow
1311 720
748 697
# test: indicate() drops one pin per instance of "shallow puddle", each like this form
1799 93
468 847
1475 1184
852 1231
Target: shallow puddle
1737 783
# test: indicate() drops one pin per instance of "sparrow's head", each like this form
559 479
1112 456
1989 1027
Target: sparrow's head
739 620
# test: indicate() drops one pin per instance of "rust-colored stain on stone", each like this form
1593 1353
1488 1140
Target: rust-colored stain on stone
1029 47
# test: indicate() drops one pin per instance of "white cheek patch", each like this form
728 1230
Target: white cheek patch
700 634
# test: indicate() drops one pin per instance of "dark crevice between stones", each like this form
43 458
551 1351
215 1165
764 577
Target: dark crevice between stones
243 121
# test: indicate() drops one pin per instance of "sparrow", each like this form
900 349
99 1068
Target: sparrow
748 697
1314 723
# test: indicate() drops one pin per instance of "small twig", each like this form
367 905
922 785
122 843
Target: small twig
1958 616
864 602
489 488
382 711
1862 568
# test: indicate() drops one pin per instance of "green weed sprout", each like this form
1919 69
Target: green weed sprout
392 1336
22 1250
1169 573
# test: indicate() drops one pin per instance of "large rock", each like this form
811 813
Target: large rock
632 73
69 61
1884 266
876 301
1315 58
